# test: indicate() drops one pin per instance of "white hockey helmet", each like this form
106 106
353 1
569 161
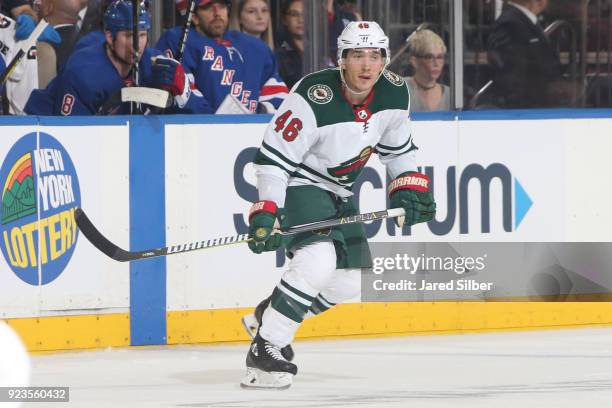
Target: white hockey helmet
363 34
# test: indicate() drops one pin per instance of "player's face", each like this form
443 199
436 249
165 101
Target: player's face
123 47
362 68
294 19
255 17
429 66
212 19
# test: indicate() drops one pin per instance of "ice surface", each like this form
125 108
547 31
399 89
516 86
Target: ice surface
560 368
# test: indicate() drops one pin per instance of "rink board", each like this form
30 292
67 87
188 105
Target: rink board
155 181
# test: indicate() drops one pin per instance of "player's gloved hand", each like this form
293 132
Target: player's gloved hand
264 217
410 191
24 26
168 74
50 35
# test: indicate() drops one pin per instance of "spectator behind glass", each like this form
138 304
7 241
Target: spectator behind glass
253 17
339 14
291 51
427 54
525 66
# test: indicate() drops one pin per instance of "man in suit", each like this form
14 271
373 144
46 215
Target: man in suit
62 15
526 68
90 16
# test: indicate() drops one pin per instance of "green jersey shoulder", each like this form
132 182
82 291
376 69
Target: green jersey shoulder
322 91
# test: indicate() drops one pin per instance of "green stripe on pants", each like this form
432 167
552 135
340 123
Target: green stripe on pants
287 306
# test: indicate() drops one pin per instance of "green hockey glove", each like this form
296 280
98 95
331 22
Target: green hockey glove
410 191
264 217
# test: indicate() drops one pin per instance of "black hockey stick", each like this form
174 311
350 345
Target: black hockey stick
118 254
135 106
164 99
181 46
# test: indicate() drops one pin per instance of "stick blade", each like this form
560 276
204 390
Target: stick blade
98 240
150 96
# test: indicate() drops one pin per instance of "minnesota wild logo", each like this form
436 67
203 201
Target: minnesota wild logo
393 78
320 94
348 171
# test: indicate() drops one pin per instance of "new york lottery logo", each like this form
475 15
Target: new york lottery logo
39 195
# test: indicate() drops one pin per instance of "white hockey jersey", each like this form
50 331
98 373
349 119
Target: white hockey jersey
25 76
318 138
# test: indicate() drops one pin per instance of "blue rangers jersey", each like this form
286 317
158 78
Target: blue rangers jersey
238 64
89 81
92 37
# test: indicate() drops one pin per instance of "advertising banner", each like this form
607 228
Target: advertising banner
46 173
494 181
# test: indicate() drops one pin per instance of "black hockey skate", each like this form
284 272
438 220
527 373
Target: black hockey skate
266 367
252 322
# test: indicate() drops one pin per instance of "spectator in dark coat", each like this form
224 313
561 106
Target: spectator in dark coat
63 16
525 66
90 16
291 51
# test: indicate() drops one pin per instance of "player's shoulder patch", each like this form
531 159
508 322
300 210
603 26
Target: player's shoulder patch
320 94
321 91
390 92
326 80
394 78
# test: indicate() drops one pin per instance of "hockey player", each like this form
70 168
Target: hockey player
313 150
93 76
24 78
227 62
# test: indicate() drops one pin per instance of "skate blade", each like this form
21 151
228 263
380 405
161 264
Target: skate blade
250 325
258 379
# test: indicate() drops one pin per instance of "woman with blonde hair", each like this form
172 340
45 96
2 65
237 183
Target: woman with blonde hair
253 17
427 55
